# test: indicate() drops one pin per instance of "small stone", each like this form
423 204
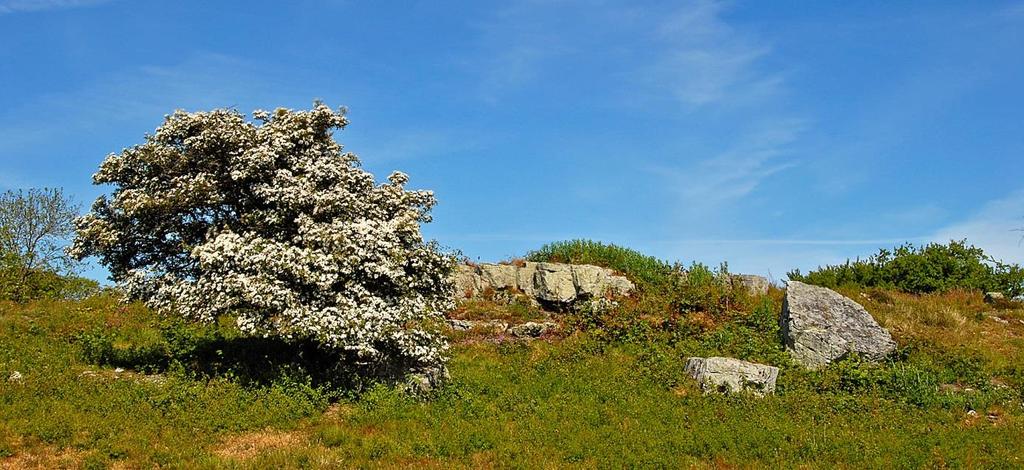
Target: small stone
118 370
728 375
531 329
495 325
972 413
459 325
15 377
993 297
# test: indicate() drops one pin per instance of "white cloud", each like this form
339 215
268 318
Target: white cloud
994 228
24 6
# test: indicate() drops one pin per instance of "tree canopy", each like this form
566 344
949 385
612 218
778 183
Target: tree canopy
270 222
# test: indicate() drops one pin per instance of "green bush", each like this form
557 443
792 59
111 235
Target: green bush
645 270
930 268
39 283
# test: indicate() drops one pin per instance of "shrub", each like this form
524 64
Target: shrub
270 222
930 268
645 270
42 284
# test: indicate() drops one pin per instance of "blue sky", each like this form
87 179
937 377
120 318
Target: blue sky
772 135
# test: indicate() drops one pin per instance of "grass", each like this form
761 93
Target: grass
611 393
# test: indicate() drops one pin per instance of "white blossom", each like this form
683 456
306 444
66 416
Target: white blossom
272 223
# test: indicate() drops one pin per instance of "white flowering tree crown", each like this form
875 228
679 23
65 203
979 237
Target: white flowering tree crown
270 222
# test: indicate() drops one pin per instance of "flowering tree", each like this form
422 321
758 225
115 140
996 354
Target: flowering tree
272 223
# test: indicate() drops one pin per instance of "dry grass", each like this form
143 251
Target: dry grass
953 320
249 445
41 457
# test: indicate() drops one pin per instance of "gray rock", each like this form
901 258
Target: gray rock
728 375
532 329
493 325
757 285
499 276
619 285
459 325
423 381
555 283
15 377
527 279
993 297
819 326
467 281
593 281
590 281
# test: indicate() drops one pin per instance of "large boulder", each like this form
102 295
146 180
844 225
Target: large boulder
757 285
554 283
819 326
467 282
728 375
500 276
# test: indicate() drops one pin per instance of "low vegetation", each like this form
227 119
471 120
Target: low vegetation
101 384
930 268
644 269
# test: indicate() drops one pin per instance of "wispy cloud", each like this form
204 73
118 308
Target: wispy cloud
995 227
738 171
689 52
25 6
71 131
518 42
879 242
707 61
139 94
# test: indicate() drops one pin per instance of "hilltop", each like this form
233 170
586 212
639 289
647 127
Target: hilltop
93 384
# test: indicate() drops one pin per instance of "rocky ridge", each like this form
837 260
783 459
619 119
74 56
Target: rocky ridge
553 285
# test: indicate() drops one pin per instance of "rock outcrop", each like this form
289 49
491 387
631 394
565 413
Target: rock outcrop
819 326
728 375
553 284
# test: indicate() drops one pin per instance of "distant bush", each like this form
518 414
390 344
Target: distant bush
17 283
643 269
931 268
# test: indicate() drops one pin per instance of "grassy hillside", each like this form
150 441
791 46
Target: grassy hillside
95 384
105 385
